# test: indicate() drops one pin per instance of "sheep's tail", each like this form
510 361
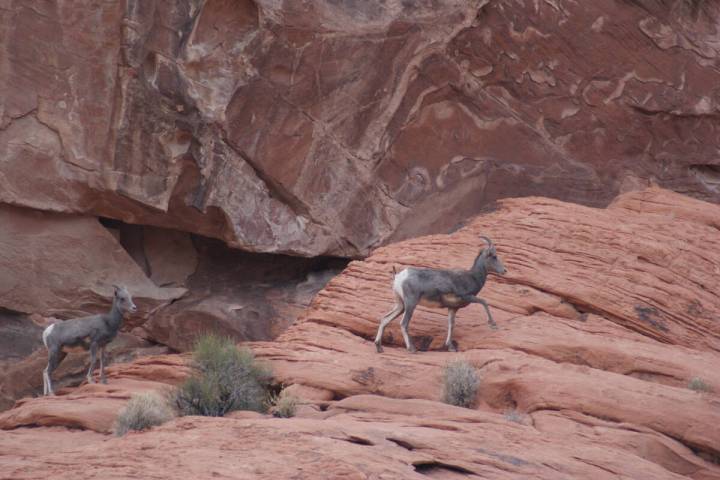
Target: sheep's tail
46 333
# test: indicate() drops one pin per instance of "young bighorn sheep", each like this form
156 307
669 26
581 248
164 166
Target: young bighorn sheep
86 333
451 289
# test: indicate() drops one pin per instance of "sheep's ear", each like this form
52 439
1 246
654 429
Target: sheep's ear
117 289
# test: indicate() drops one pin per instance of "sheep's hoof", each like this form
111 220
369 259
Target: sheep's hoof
493 326
379 348
103 381
452 347
412 349
90 380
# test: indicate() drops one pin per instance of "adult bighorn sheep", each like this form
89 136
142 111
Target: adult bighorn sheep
86 333
451 289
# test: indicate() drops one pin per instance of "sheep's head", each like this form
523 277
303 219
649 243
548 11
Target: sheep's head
124 300
488 256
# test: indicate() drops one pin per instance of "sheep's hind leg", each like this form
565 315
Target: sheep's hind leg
55 356
409 309
45 381
389 317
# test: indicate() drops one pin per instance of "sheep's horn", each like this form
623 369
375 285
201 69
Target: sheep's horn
487 240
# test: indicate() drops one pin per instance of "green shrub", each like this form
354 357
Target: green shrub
698 384
460 383
226 378
284 405
143 411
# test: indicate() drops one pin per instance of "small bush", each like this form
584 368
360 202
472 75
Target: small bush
284 405
698 384
515 416
142 412
227 378
460 384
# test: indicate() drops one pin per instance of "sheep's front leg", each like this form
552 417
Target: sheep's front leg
93 356
102 365
451 324
473 299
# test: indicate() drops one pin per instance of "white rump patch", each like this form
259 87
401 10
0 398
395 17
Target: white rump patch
398 282
46 334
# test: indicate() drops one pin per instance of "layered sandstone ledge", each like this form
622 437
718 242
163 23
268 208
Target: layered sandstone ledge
605 316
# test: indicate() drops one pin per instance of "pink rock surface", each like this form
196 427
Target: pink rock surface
573 383
96 406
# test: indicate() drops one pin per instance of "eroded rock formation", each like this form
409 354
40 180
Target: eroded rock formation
328 127
56 267
605 317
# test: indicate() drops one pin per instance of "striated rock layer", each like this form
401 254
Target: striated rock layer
605 317
249 121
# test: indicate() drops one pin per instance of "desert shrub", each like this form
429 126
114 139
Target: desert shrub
142 412
698 384
460 383
284 405
226 378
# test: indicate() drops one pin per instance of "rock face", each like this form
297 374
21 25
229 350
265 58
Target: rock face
54 267
247 296
248 121
65 266
605 317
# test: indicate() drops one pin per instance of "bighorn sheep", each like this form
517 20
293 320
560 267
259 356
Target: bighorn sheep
87 333
451 289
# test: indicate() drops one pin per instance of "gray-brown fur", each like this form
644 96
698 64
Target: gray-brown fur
451 289
87 333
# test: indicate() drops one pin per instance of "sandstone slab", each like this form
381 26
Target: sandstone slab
575 383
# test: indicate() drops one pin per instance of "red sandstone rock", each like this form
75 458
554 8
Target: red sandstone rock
362 437
242 295
573 384
65 266
95 406
248 121
24 377
605 316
